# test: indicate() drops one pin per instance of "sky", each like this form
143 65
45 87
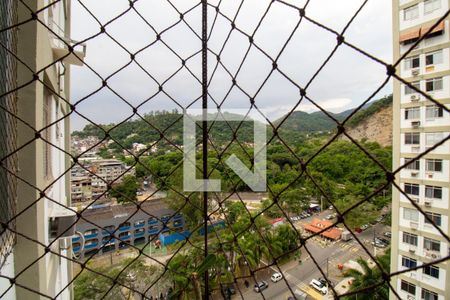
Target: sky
347 79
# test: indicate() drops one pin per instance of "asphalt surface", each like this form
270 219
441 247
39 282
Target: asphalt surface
327 256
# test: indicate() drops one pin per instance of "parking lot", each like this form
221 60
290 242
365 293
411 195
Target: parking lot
328 255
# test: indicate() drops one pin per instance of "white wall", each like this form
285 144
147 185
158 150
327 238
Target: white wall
423 174
8 270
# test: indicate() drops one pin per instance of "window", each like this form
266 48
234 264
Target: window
434 192
415 165
410 214
90 231
433 138
411 13
412 62
431 271
412 113
412 189
433 58
91 242
431 5
433 165
124 234
430 244
412 138
429 295
433 84
46 134
409 262
409 90
408 287
108 229
409 238
434 111
126 224
435 217
139 223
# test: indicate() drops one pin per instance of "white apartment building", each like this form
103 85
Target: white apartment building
418 125
43 188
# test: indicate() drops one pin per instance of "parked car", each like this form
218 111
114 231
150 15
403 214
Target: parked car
388 234
322 281
380 218
364 227
383 240
276 277
319 286
379 244
262 285
329 217
228 290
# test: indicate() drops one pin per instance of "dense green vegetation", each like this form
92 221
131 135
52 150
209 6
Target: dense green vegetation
126 190
298 127
343 172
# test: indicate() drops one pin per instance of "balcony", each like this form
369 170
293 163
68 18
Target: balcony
432 254
139 234
90 246
64 48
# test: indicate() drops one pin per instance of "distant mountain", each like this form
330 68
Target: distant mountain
297 127
373 123
309 122
318 121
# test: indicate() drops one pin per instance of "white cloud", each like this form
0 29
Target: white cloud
347 80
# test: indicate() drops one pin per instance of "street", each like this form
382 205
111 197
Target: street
327 255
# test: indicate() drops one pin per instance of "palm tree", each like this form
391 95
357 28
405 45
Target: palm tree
369 277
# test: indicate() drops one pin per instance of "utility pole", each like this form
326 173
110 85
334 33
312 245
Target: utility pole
374 246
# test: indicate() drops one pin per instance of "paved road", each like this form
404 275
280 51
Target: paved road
327 257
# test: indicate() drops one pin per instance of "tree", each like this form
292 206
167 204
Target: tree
125 191
369 277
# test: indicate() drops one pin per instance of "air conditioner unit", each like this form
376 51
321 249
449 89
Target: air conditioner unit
415 199
414 98
409 297
415 72
414 174
414 225
412 249
415 124
428 202
429 174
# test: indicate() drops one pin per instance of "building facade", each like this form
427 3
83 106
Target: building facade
85 186
38 262
418 125
106 229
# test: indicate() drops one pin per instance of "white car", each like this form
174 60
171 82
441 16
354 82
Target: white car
319 286
276 277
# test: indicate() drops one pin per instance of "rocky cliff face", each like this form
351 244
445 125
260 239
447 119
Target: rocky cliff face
375 128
